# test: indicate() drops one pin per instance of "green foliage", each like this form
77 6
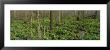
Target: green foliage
69 30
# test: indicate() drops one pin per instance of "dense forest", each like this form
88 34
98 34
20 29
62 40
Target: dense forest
55 24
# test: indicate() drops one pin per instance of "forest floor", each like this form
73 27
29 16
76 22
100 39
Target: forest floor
69 29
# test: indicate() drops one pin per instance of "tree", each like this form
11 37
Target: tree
59 17
38 28
50 15
32 15
78 15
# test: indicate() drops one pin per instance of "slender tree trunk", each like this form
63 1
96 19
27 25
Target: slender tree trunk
32 15
61 17
96 14
43 24
78 14
14 13
57 20
25 17
50 15
38 28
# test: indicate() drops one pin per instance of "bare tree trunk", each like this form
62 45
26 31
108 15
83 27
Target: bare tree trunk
57 20
14 13
95 14
43 15
25 16
50 15
59 16
78 14
82 14
38 28
32 15
82 31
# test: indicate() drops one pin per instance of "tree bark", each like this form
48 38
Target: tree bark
50 15
59 17
38 28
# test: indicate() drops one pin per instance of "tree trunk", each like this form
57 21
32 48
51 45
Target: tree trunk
50 15
59 17
78 15
38 28
32 15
